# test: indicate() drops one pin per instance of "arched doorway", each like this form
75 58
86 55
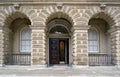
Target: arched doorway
59 41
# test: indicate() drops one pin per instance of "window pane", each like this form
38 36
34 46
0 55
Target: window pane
95 43
27 43
92 40
25 40
95 48
91 48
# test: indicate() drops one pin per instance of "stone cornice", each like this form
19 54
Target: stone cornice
63 3
59 0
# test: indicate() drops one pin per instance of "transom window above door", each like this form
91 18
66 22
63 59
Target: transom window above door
58 30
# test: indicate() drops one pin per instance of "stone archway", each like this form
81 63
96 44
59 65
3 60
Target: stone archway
13 25
59 32
59 19
7 16
109 32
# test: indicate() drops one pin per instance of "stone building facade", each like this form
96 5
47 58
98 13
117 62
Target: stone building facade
71 24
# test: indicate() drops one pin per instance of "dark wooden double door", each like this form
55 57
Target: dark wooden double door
58 51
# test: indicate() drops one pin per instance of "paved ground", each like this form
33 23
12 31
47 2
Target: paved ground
60 72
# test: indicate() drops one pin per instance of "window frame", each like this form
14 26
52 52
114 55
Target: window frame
98 51
21 51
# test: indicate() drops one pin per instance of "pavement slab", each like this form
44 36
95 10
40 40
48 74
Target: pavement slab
60 72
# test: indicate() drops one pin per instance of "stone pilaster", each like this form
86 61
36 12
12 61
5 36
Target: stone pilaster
115 45
80 47
1 47
38 46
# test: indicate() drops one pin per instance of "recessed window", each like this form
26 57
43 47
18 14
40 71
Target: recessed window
93 40
25 40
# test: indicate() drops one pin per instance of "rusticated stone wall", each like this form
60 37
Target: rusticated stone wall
115 47
78 15
80 40
38 46
1 47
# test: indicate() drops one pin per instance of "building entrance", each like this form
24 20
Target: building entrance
58 51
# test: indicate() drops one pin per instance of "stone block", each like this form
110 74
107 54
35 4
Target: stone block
35 50
37 38
81 38
81 55
37 19
85 51
85 42
38 60
85 59
34 42
81 46
34 34
38 46
78 42
82 63
79 50
35 61
38 54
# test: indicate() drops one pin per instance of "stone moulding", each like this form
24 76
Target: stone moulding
59 0
2 2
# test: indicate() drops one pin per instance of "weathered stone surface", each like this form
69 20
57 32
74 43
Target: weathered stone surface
115 46
1 48
78 16
80 48
38 44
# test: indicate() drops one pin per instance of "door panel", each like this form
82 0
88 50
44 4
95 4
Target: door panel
62 50
54 51
58 51
67 50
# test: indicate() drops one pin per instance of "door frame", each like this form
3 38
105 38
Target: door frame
59 36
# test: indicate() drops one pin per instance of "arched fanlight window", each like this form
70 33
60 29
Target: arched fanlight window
25 40
58 30
93 40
